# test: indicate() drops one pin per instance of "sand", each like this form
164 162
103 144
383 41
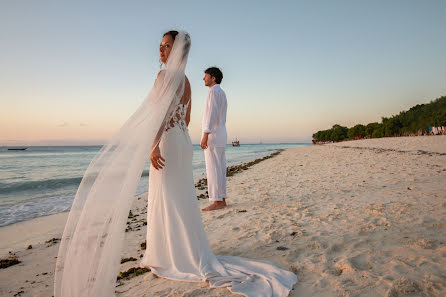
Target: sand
358 218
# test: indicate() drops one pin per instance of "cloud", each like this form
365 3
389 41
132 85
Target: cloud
64 124
83 124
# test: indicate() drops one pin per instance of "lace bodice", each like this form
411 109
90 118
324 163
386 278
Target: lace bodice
178 118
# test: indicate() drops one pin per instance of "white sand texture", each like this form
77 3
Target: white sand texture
358 218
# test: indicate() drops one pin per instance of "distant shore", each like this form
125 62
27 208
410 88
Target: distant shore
362 138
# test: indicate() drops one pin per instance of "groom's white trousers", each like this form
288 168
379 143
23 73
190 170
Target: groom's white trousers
216 172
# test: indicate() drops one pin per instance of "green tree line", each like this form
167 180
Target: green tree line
416 119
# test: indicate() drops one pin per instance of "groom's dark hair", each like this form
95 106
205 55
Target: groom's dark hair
215 72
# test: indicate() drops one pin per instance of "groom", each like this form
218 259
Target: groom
213 141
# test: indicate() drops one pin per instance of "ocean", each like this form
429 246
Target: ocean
43 180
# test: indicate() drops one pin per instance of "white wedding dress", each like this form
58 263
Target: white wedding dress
177 246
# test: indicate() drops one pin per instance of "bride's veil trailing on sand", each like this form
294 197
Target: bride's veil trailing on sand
89 254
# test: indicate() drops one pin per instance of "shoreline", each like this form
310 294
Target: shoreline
32 232
43 191
41 229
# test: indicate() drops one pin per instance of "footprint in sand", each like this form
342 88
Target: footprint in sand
342 268
361 262
316 245
424 244
335 248
407 288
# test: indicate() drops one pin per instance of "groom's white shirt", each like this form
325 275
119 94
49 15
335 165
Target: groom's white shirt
214 117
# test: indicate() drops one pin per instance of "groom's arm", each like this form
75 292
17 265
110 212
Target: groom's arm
210 118
211 115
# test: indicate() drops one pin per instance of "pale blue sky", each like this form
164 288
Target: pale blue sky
71 72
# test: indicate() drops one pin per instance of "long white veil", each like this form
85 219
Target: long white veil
89 254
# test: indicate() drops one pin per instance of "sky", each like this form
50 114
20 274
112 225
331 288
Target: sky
72 72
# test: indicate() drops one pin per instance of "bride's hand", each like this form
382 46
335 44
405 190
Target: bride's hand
156 159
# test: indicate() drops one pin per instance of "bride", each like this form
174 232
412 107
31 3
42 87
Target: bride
177 245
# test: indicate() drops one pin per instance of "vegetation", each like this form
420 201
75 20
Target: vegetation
132 272
5 263
414 121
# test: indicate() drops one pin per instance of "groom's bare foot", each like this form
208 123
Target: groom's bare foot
216 205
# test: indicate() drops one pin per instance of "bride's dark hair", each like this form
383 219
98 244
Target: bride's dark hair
172 33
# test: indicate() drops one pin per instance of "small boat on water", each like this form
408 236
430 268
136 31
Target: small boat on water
236 142
17 148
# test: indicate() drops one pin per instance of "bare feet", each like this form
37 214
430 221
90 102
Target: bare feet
216 205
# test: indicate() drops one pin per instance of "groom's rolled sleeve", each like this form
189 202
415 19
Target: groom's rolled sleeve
211 114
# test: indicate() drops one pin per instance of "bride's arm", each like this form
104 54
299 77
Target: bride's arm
188 95
155 156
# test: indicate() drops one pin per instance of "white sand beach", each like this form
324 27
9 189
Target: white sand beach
357 218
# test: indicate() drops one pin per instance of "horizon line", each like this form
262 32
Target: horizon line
250 143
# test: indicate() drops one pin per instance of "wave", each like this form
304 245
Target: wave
49 184
8 188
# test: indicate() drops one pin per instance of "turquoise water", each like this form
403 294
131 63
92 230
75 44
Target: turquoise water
43 180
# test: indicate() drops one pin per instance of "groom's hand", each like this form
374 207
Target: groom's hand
204 141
